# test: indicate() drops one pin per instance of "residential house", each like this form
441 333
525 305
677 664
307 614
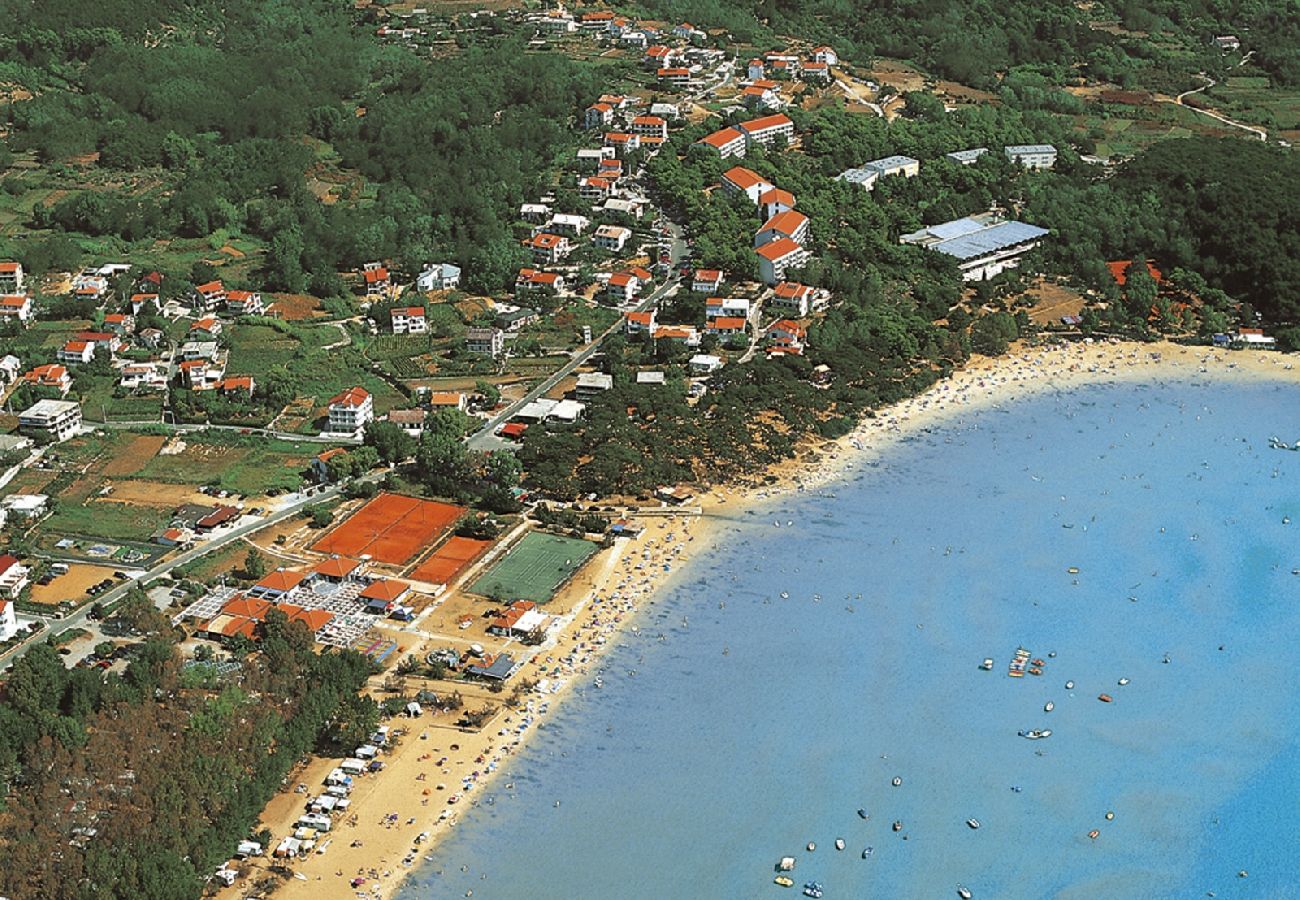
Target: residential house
659 57
787 336
791 224
11 277
150 283
727 308
146 376
793 298
548 249
10 366
57 420
966 157
623 142
611 238
438 277
622 287
151 337
91 287
598 115
447 400
534 212
49 375
201 374
119 323
726 326
667 111
727 142
651 129
191 350
13 578
351 410
596 21
568 224
511 320
556 24
826 56
221 515
775 201
767 130
640 322
1032 156
756 97
706 281
610 169
704 364
755 72
633 207
674 76
777 257
685 334
1228 43
590 385
8 620
209 297
16 308
409 320
590 158
485 341
205 329
143 304
76 353
241 386
320 466
409 420
638 39
786 66
739 180
376 280
817 71
529 280
244 303
594 188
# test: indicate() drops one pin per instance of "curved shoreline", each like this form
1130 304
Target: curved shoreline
622 581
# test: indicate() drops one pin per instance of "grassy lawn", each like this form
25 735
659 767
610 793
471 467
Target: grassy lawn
1253 100
109 520
242 464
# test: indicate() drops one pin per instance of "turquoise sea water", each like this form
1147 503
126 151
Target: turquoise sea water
760 723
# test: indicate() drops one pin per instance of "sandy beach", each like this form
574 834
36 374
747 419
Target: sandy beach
436 770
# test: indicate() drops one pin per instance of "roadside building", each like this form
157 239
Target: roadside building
351 410
13 578
640 322
56 420
591 385
707 281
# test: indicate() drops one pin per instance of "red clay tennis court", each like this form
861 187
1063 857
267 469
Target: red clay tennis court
450 560
392 528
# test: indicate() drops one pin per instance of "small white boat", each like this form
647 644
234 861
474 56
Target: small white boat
897 781
811 846
1069 685
973 823
866 853
839 843
1049 706
987 665
786 864
1123 681
963 893
1036 734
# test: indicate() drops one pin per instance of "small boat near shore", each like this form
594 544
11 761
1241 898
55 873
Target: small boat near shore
813 889
786 864
987 665
897 826
1105 698
1049 706
839 843
973 824
1036 734
784 881
863 814
963 893
867 851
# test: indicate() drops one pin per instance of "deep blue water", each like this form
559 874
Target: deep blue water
757 726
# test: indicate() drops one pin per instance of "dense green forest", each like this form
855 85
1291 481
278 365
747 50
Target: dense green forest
139 785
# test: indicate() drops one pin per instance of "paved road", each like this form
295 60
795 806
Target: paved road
78 619
336 439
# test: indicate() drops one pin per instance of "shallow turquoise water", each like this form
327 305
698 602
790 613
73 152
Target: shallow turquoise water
758 726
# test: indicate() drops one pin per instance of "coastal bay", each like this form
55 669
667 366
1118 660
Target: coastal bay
762 722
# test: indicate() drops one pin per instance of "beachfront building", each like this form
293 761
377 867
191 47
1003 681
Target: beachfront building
726 142
777 257
351 411
54 420
1032 156
768 130
739 180
984 246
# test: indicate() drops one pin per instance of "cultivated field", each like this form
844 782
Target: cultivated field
535 568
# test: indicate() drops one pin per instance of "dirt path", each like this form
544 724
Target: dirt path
1209 83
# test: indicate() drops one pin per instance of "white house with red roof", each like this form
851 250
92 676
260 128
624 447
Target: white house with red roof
674 76
594 187
739 180
727 308
623 142
49 375
775 201
755 70
651 129
376 280
727 142
787 336
205 329
145 303
777 257
791 224
409 320
706 281
659 57
201 374
11 277
793 297
244 303
209 296
13 578
529 280
816 71
548 249
767 130
598 115
726 326
623 286
119 323
16 308
237 385
825 55
76 353
640 322
8 620
351 411
611 238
